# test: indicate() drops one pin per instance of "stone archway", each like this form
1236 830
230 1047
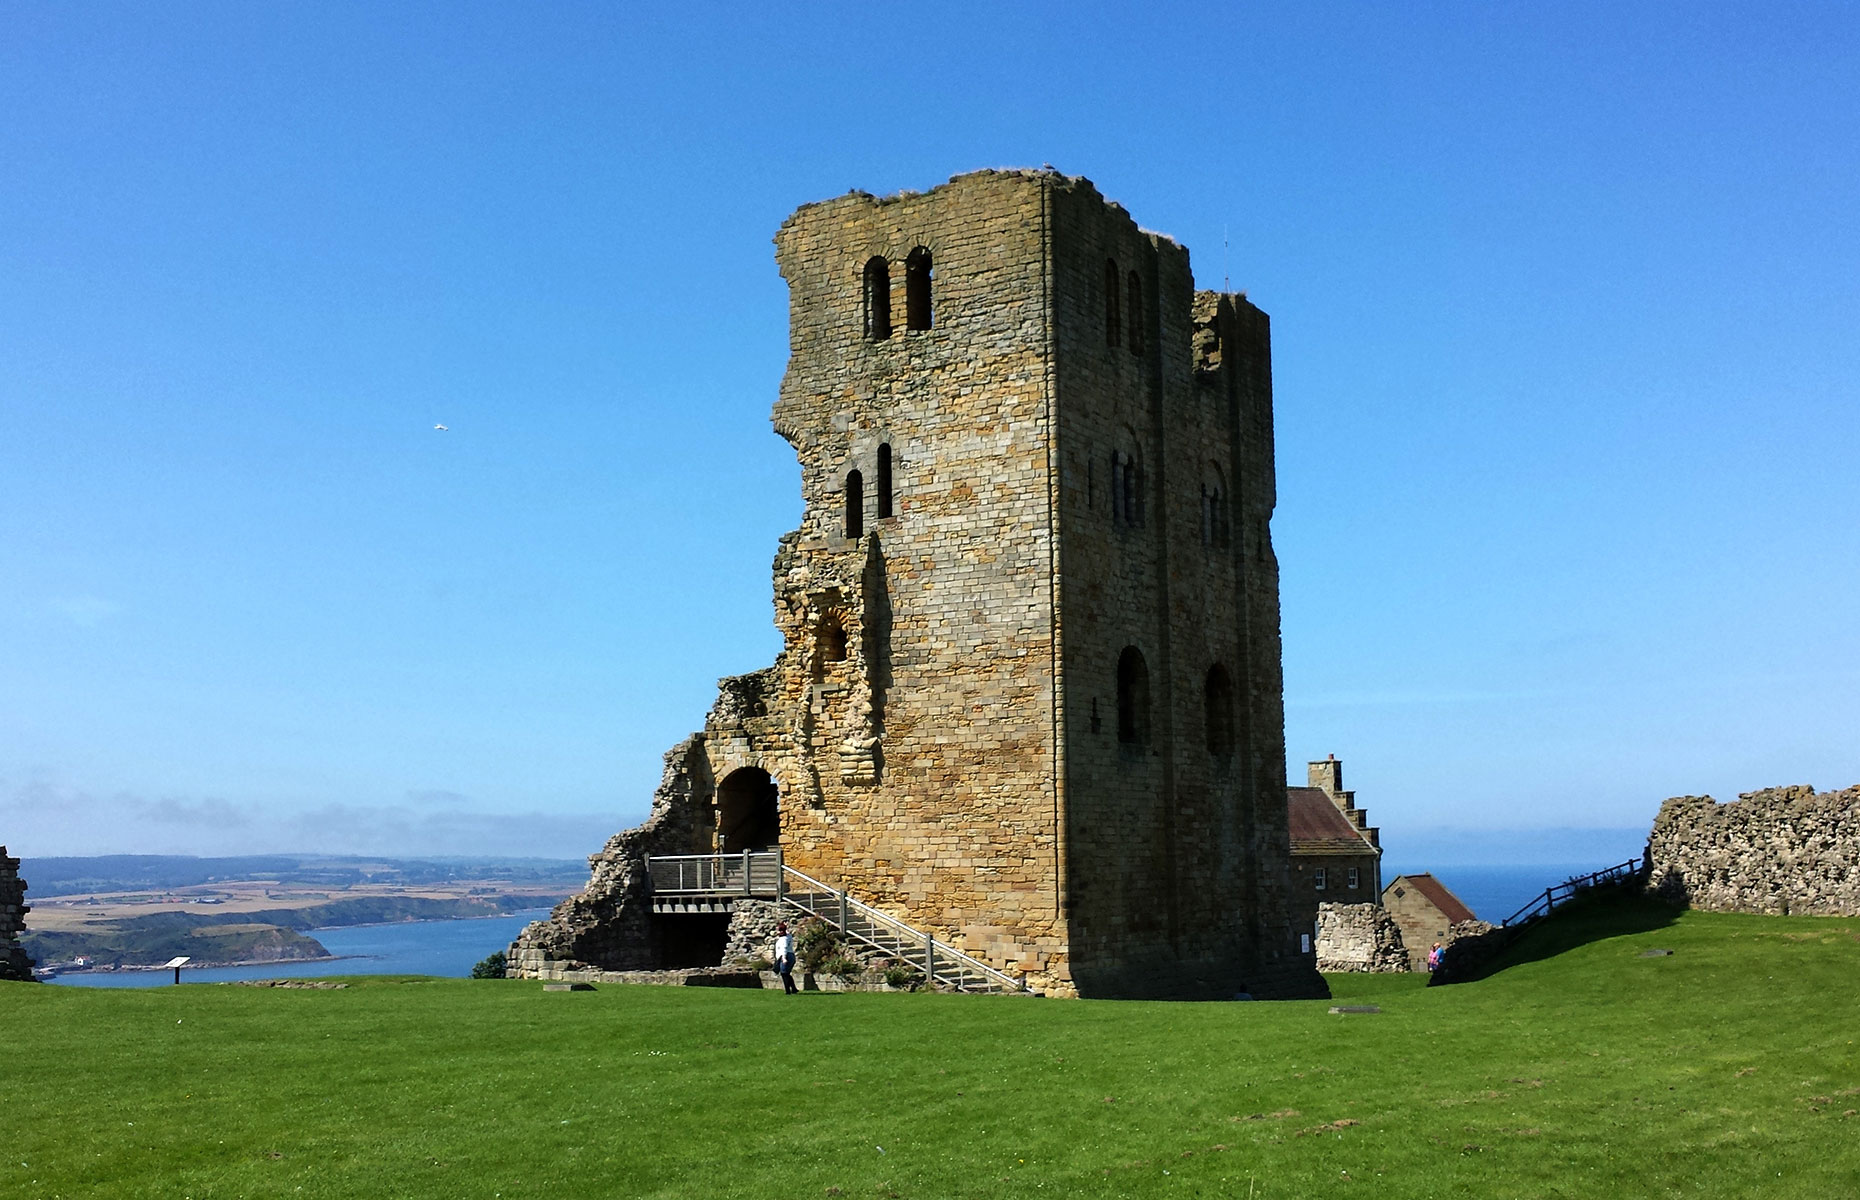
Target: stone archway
748 817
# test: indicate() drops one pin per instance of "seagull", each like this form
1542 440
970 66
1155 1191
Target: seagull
440 428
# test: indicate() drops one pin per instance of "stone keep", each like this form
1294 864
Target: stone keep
1030 697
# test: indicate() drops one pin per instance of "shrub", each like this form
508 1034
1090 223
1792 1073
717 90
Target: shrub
491 967
842 964
900 974
815 942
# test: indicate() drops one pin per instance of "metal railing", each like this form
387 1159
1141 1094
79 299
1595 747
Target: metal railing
1558 893
762 873
736 873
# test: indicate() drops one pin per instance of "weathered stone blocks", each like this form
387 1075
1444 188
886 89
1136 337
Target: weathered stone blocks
14 964
1779 850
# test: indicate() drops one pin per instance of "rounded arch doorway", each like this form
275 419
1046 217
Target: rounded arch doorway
748 817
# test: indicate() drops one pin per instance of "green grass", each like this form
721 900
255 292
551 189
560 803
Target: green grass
1583 1070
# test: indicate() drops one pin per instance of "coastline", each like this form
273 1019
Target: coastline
203 965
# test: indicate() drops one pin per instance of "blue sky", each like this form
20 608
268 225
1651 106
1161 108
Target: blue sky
1564 303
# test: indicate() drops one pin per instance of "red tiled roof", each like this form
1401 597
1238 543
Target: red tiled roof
1318 826
1437 894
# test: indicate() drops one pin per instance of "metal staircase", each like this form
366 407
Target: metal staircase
683 883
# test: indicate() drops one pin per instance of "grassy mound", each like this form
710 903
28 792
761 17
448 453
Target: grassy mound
1583 1069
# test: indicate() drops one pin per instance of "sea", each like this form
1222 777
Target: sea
444 948
450 949
1496 892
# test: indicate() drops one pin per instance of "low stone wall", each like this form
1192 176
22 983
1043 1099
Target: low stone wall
1780 851
13 909
1359 937
1468 948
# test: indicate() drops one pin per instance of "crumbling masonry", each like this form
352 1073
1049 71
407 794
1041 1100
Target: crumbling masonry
1029 698
13 909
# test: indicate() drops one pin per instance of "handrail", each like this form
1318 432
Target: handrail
1558 893
763 873
936 954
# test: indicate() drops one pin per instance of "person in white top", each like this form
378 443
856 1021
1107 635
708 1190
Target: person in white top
784 957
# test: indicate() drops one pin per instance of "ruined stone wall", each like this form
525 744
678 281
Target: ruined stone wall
1780 850
608 925
1359 937
13 909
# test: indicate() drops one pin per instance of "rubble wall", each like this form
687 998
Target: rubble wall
1359 937
13 909
1780 851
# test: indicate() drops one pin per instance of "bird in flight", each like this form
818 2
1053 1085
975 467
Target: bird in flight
440 428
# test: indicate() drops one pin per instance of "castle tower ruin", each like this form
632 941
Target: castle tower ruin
1029 697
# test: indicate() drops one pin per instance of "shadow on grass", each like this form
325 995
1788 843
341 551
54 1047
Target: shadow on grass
1610 910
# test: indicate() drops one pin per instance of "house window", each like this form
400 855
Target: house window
1133 698
855 505
877 299
1317 877
1353 878
884 481
917 290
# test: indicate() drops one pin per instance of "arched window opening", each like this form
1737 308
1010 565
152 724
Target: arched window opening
1218 704
1113 312
1133 698
832 641
748 811
1136 314
1216 526
855 505
884 480
1126 488
917 278
877 299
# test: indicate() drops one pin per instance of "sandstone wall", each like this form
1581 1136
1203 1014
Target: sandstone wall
13 909
1359 937
1780 850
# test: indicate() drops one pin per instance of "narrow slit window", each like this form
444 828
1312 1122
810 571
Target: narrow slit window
877 299
1133 698
855 504
1218 705
1136 314
1113 312
917 280
884 480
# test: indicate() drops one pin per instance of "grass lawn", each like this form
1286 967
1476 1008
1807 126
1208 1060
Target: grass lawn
1581 1070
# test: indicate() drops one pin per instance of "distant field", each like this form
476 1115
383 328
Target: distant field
146 909
1728 1068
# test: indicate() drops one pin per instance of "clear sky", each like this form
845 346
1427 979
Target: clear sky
1566 309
